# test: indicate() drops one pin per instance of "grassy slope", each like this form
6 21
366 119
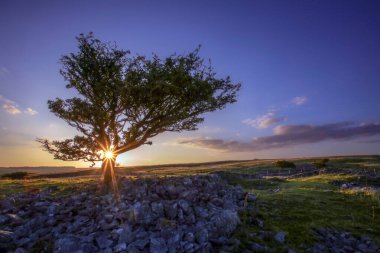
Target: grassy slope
63 186
305 204
300 205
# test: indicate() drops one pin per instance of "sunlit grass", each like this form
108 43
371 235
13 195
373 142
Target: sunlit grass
63 186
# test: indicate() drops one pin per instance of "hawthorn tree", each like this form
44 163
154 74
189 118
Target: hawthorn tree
125 100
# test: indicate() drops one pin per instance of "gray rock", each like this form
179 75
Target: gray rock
217 202
53 209
126 236
226 222
139 244
202 235
280 237
200 210
108 218
51 221
173 242
171 210
4 219
23 241
141 234
107 250
363 247
258 248
120 247
14 219
88 247
6 204
184 205
132 249
251 197
66 244
158 245
20 250
158 208
5 236
103 242
259 223
219 241
190 237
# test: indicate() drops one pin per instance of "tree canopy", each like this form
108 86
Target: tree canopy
124 100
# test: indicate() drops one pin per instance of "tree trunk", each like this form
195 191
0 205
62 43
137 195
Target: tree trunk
109 177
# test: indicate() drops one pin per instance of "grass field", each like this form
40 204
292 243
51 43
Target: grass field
296 205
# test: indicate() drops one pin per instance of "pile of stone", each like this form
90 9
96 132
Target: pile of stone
176 214
360 188
337 242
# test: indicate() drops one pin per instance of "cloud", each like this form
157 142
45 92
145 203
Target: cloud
208 129
3 71
30 111
13 108
263 121
299 100
369 141
289 135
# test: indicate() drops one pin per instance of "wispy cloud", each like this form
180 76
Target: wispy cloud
30 111
264 121
369 141
208 130
3 71
289 135
13 108
299 100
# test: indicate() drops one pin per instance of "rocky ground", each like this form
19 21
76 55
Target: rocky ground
342 242
167 214
177 214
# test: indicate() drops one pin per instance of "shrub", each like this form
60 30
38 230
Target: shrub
284 164
15 175
322 163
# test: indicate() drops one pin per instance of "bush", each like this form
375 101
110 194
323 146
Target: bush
321 163
284 164
15 175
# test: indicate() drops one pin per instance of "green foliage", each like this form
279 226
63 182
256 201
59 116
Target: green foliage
125 100
284 164
16 175
322 163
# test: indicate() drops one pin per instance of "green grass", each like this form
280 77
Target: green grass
305 204
63 186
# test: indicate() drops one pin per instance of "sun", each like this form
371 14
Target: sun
108 154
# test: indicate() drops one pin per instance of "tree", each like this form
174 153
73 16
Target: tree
124 100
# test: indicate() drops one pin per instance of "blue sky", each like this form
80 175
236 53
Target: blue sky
309 70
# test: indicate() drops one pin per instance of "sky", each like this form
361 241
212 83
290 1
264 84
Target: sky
310 74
